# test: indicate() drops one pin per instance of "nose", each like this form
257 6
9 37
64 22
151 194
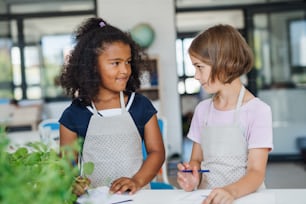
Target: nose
125 68
197 75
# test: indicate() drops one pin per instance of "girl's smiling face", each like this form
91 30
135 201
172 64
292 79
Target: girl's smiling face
114 65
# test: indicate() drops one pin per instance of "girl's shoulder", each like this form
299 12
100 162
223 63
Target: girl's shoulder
76 111
202 108
204 104
255 104
257 107
141 100
77 104
141 97
142 105
76 107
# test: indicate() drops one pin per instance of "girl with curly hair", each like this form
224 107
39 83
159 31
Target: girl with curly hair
101 76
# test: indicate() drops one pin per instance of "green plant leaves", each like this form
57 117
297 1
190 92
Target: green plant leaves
35 174
88 168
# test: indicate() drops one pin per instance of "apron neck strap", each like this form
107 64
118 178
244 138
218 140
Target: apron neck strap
122 104
240 97
238 105
95 111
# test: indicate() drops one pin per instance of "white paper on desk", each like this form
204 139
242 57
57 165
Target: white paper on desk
257 198
101 196
197 197
194 197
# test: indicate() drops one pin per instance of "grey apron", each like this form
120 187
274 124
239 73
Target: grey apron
114 145
225 150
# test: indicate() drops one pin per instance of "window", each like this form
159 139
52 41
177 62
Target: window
187 84
32 72
297 43
55 49
5 68
33 45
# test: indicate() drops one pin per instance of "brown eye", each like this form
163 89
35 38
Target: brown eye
115 63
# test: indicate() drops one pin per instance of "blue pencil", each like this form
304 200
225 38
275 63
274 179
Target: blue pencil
200 171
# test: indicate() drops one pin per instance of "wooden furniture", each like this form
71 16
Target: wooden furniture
149 79
20 116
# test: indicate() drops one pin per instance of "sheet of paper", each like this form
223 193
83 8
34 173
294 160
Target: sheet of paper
197 197
257 198
101 196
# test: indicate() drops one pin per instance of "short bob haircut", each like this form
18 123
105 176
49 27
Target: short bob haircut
223 48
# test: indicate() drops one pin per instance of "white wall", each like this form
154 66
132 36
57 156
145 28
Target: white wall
161 15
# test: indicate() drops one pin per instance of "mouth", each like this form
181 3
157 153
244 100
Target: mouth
122 79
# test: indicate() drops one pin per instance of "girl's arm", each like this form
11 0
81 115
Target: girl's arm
256 170
67 138
255 175
196 156
155 153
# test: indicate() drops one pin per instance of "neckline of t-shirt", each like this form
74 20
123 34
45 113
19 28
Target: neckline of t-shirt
127 107
243 106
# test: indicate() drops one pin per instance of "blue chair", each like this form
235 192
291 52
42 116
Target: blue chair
156 184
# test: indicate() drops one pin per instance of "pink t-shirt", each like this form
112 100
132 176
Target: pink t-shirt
255 119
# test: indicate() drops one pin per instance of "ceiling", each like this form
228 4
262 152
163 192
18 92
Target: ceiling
37 27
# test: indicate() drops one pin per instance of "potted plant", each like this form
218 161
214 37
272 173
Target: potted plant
36 174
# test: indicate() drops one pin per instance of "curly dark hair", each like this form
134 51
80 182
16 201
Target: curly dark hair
79 77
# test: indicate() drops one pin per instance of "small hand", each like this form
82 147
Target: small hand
187 181
220 196
123 185
80 185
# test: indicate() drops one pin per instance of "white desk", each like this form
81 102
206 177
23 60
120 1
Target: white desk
271 196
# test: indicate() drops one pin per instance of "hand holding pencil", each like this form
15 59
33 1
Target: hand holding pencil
188 177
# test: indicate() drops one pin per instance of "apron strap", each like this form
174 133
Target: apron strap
239 103
122 101
130 101
95 111
240 97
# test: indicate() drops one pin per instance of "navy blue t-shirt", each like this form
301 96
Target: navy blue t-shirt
76 117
